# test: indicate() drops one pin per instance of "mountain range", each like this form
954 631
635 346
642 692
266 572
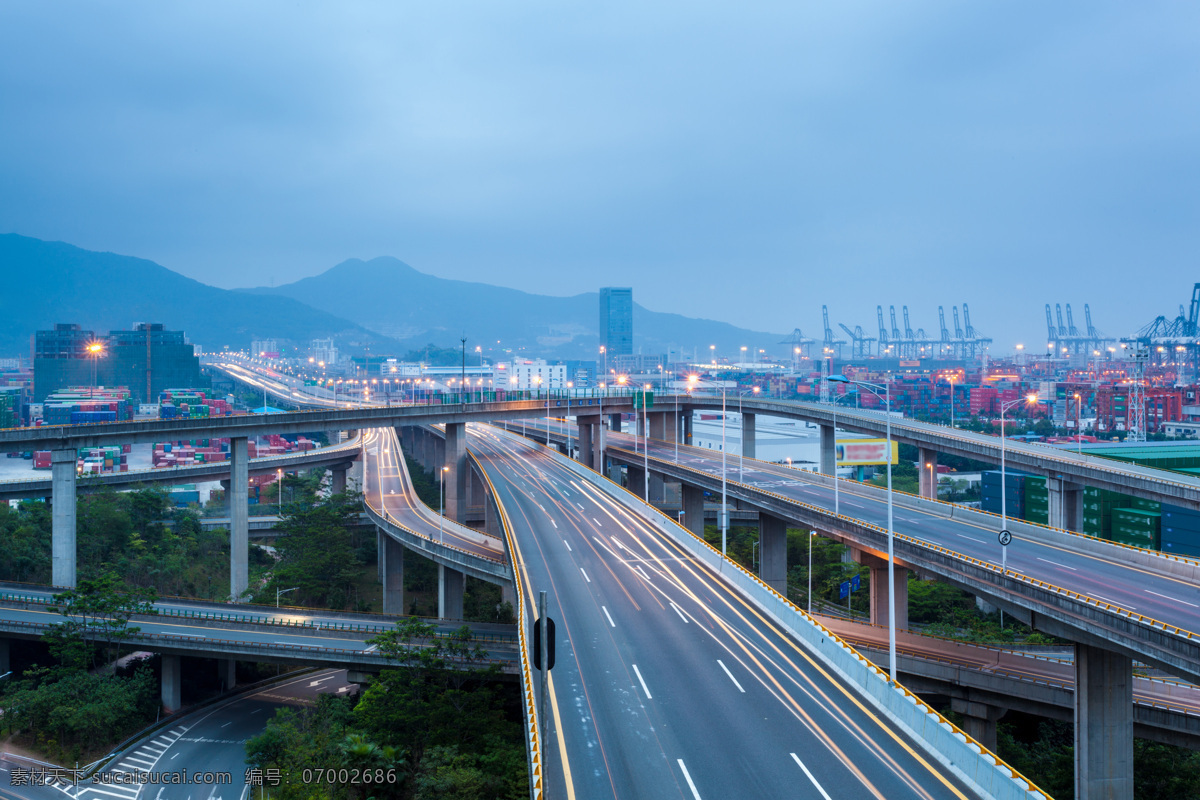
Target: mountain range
383 304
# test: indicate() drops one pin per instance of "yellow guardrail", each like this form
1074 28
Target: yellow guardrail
536 773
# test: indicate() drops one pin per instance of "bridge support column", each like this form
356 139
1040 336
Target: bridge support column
379 535
635 480
772 552
927 484
979 720
456 478
658 488
62 514
5 660
393 576
337 482
172 692
476 491
508 594
1103 724
687 427
661 427
748 435
227 673
239 519
1066 504
588 428
451 583
828 450
614 422
879 591
693 509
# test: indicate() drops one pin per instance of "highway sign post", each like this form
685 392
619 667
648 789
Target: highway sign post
848 588
543 659
1005 537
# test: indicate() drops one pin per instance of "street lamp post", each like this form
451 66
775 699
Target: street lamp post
279 483
1003 498
952 402
646 442
442 504
567 419
724 495
280 592
1079 423
811 534
874 388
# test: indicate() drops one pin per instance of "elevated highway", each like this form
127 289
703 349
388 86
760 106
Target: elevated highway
644 627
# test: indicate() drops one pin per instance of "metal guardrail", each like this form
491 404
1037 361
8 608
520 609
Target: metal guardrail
532 744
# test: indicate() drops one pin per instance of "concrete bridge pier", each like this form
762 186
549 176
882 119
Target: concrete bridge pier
1066 504
227 673
614 422
662 425
5 662
658 487
589 439
687 427
239 518
772 552
508 594
693 509
393 576
337 480
748 435
1103 724
635 480
880 613
172 687
927 484
828 452
62 515
979 720
456 477
451 584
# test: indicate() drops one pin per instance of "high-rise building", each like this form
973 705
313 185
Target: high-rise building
146 359
616 321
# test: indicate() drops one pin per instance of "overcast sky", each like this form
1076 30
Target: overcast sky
743 162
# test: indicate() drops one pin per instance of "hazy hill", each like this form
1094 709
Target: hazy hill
48 282
394 300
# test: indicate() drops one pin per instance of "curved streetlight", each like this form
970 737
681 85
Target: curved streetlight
875 388
1028 399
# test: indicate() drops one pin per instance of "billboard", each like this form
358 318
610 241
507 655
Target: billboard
857 452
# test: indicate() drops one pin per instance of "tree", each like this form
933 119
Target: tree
99 609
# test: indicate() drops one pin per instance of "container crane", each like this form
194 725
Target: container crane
832 345
860 343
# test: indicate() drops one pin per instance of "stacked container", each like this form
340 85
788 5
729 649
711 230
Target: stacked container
1037 500
1014 490
1180 531
1136 527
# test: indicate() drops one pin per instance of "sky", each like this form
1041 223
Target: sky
740 162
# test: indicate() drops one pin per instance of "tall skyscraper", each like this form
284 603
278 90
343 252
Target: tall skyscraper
616 321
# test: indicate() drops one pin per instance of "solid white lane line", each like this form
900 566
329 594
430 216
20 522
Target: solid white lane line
1114 602
1055 563
609 616
730 674
585 577
568 544
810 776
595 520
677 611
688 778
642 680
852 503
642 572
172 758
227 724
972 538
555 524
1174 599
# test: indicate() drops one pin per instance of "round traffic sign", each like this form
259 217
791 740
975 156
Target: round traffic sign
1005 537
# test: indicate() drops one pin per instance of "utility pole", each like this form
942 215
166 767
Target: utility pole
464 365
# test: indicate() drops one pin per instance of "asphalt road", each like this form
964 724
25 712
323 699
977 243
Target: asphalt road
388 489
1103 573
211 740
667 683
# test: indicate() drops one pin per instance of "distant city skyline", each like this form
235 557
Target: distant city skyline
748 166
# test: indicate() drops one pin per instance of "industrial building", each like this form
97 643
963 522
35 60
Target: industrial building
147 359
